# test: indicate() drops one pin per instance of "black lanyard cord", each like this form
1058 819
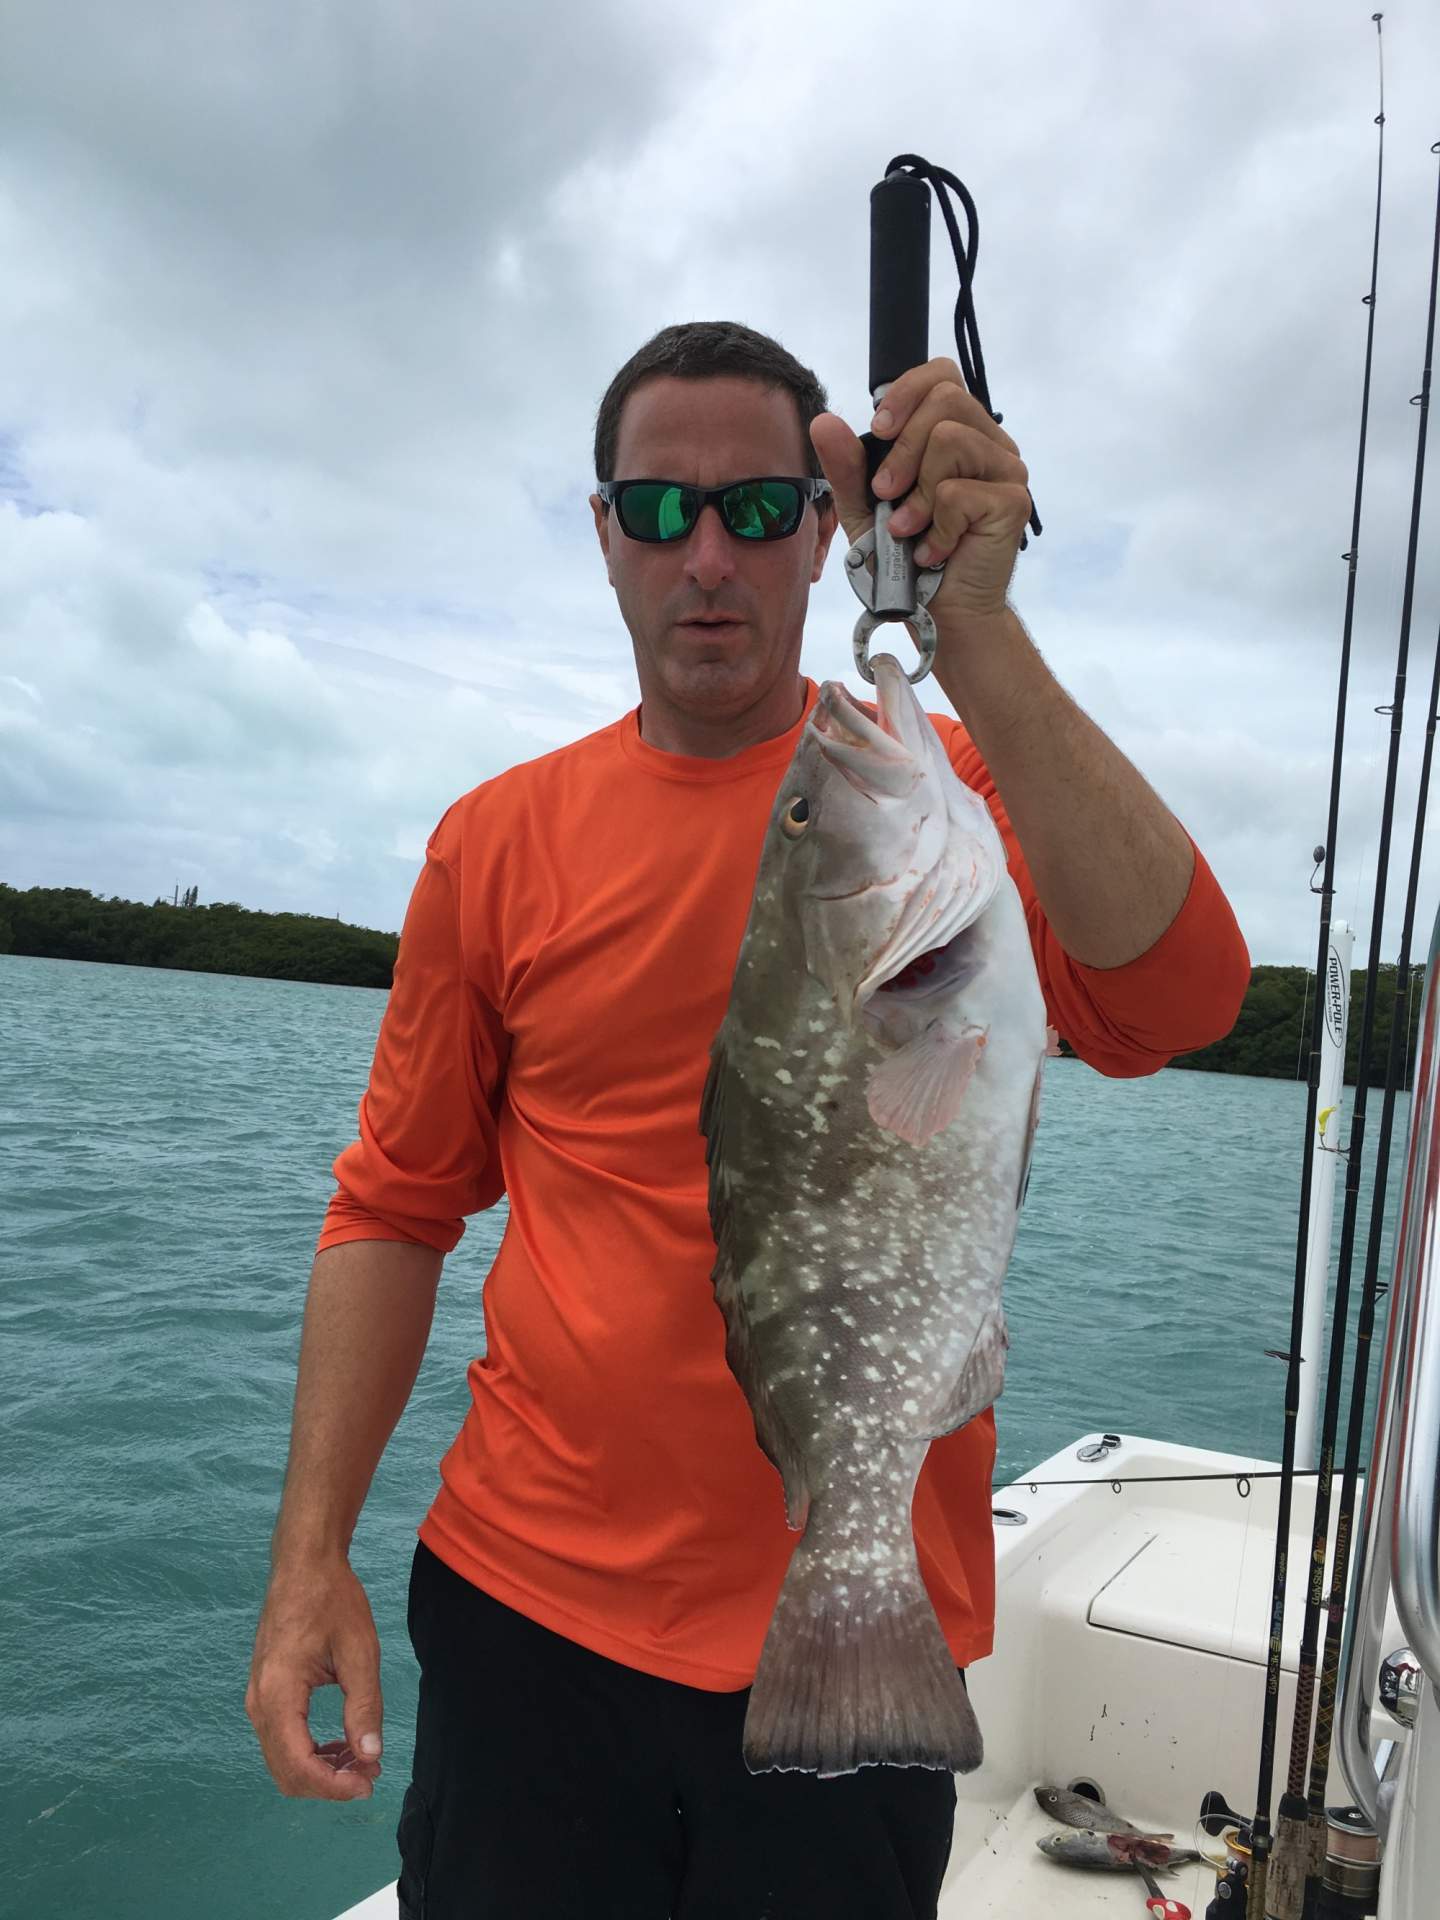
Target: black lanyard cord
968 352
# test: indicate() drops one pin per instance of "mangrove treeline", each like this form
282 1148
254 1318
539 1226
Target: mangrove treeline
1272 1034
66 923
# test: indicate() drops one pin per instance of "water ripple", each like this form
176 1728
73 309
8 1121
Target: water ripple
165 1145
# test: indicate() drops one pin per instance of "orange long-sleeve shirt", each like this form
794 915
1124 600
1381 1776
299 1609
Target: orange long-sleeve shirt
565 962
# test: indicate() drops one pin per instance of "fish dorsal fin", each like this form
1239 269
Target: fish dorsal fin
918 1090
721 1116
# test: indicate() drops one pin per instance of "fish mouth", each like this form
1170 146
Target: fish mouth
872 754
888 757
837 711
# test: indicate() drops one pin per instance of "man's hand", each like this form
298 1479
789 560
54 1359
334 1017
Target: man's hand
317 1630
960 477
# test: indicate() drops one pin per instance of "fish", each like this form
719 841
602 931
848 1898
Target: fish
869 1115
1079 1810
1117 1852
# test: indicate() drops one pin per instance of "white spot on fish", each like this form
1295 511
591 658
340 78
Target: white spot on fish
784 1076
763 1040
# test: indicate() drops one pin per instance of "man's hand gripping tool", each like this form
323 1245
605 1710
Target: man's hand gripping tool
880 567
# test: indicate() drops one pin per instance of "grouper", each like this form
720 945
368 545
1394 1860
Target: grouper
868 1114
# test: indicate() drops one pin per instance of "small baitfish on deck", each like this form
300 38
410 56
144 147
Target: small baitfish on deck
1079 1810
1117 1852
869 1114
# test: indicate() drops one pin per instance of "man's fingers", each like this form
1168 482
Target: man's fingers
842 460
305 1771
357 1668
972 506
341 1757
935 446
903 396
278 1706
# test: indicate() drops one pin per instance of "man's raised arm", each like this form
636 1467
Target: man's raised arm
1111 864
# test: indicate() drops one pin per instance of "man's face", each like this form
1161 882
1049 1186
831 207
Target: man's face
705 433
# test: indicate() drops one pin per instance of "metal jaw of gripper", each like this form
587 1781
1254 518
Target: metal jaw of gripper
893 589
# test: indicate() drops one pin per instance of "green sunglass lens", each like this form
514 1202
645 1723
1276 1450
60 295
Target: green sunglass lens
763 509
657 512
673 515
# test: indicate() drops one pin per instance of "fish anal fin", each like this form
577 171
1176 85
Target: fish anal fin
919 1089
981 1377
1024 1186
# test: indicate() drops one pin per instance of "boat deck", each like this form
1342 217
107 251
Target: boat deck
1130 1650
1008 1878
1005 1878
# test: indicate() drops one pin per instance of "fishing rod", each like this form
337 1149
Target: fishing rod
880 567
1370 1290
1293 1805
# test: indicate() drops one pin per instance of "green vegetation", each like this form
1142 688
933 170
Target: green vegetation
1272 1033
67 923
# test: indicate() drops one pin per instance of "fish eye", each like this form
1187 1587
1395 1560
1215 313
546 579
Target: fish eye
796 817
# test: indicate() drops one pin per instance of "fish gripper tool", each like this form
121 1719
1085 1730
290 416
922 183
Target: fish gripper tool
880 567
896 589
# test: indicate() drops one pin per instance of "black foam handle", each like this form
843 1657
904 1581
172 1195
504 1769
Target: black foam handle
899 276
875 452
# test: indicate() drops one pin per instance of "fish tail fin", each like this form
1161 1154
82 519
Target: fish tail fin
855 1670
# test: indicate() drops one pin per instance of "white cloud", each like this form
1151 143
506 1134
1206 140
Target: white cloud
307 311
164 733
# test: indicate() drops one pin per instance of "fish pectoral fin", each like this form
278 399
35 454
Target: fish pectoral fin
918 1090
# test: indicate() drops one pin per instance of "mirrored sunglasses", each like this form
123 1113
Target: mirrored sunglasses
759 509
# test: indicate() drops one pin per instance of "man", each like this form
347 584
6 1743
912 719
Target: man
594 1578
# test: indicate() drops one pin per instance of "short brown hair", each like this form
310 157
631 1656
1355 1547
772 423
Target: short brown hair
706 350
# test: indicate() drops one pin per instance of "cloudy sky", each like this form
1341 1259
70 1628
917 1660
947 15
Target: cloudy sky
307 308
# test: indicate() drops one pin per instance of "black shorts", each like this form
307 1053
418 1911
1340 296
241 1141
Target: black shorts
553 1784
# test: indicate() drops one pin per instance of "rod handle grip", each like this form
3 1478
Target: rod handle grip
899 277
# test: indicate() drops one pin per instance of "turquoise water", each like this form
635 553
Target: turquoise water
165 1144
